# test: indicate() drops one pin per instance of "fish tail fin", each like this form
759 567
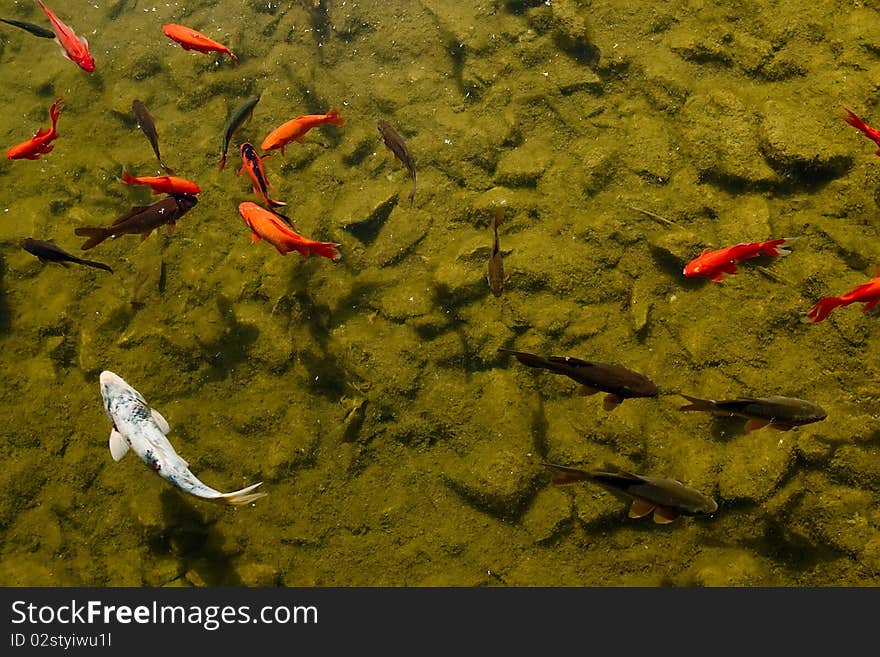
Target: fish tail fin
824 307
96 235
325 249
55 112
243 496
853 119
563 474
527 359
275 204
697 404
127 178
222 162
234 58
333 117
96 265
772 248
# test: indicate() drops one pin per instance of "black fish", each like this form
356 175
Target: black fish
495 275
51 252
619 382
142 219
148 126
667 498
395 143
242 112
36 30
781 413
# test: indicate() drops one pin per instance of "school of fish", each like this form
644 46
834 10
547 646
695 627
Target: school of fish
138 427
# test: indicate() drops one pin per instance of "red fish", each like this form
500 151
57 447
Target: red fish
871 133
74 47
163 184
252 163
714 264
39 144
190 39
267 226
295 129
867 293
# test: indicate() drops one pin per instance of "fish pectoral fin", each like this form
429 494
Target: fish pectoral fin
164 427
255 238
118 445
717 278
171 226
586 391
611 402
870 304
640 508
663 515
754 424
146 234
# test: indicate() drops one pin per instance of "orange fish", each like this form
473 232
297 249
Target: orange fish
190 39
867 293
39 144
266 225
714 264
75 48
252 163
163 184
870 133
295 129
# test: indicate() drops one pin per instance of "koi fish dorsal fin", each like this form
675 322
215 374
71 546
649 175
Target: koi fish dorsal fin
118 445
161 422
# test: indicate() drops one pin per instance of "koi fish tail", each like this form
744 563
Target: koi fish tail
853 119
332 117
275 204
55 111
127 178
243 496
697 404
824 307
96 235
96 265
234 58
771 248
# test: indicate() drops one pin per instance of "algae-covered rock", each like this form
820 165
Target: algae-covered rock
756 462
258 574
548 515
363 211
812 152
399 235
523 166
856 465
729 567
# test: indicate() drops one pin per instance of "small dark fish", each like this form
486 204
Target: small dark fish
36 30
619 382
238 116
148 126
495 275
396 145
666 498
141 219
51 252
781 413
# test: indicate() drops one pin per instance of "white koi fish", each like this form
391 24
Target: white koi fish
143 429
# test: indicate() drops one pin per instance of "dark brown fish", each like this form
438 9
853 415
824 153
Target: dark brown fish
141 219
666 498
619 382
396 145
51 252
36 30
781 413
495 275
148 126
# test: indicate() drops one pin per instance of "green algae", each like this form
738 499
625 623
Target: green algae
397 447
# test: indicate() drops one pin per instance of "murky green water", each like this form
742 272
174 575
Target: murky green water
397 447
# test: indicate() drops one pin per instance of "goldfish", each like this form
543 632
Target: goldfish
252 163
867 293
714 264
75 48
295 129
871 133
266 225
666 498
40 143
781 413
190 39
162 184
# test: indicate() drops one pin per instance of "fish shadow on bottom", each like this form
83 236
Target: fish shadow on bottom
192 540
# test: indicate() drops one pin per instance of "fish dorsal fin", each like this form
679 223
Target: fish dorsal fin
640 508
663 515
84 41
118 445
128 215
160 421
